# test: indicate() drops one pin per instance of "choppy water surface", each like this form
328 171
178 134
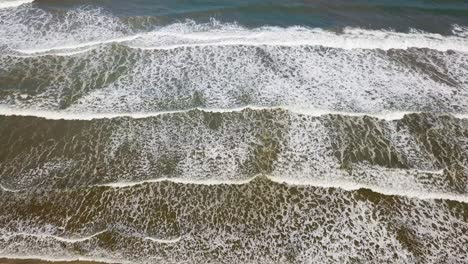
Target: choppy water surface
234 131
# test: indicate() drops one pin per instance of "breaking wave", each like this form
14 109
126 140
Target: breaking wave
13 3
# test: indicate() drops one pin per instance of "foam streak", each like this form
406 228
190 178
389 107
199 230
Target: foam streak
3 188
66 115
191 34
58 238
164 241
76 46
345 185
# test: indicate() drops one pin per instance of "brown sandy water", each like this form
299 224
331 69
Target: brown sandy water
136 189
130 134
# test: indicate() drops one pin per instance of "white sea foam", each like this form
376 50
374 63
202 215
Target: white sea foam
461 116
68 115
225 68
363 78
61 53
42 32
191 35
13 3
358 81
342 184
461 31
439 172
163 241
352 186
32 30
76 48
350 38
64 259
8 189
58 238
125 184
308 147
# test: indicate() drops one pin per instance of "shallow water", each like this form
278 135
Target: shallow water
234 131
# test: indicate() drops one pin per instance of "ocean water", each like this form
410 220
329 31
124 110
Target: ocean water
234 131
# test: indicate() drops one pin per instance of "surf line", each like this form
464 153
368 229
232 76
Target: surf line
341 184
351 38
3 188
68 115
58 238
82 239
44 51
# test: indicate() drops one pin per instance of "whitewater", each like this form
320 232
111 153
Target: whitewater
234 132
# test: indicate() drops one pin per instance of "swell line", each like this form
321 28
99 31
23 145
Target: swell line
77 46
125 184
344 185
58 238
352 186
67 115
344 43
190 34
82 239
